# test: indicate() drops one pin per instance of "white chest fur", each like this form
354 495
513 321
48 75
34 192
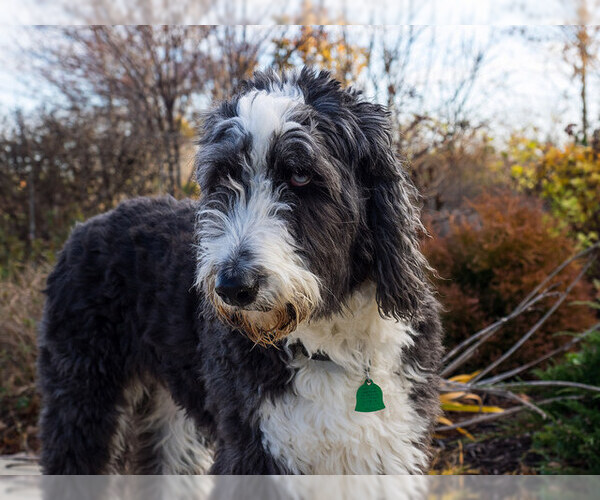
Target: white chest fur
314 429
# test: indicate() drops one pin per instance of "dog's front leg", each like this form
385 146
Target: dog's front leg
245 457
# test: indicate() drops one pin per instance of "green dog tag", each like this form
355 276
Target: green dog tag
369 397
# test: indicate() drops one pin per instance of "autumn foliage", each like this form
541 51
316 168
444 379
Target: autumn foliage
568 178
489 260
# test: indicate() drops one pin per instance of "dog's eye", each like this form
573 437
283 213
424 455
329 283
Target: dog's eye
300 179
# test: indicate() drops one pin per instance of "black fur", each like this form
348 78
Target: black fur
122 306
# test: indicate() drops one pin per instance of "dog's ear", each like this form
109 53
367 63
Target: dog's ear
398 266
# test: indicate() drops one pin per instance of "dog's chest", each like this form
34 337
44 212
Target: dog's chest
313 428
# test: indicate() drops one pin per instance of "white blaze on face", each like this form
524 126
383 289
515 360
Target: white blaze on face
254 220
263 114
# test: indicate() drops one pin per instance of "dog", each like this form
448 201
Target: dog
282 323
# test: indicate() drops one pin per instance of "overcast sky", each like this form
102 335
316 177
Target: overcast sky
440 12
522 83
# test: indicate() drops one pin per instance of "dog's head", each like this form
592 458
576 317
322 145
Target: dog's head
303 200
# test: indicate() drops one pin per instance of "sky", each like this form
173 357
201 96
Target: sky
429 12
522 84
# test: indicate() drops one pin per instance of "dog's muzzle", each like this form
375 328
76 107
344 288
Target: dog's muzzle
243 301
249 266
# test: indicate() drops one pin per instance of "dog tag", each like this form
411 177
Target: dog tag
369 397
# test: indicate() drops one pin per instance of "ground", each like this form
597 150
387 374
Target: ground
491 453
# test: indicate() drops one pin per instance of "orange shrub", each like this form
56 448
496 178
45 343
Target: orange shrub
488 262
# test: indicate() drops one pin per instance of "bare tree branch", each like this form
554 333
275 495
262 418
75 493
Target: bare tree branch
551 383
494 416
527 366
536 327
495 391
532 298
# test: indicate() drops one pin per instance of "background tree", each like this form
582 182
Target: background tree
311 41
574 47
581 43
429 92
60 167
232 54
143 76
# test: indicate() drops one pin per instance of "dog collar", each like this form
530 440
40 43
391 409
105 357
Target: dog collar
298 348
369 396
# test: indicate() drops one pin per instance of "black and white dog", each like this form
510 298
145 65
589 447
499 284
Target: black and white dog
231 335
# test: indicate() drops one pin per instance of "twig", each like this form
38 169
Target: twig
499 322
499 392
556 271
527 366
525 304
551 383
535 327
472 339
493 416
485 334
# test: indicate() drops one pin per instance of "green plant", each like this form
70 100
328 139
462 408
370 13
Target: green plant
567 178
569 441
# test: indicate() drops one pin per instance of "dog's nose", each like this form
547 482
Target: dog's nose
235 290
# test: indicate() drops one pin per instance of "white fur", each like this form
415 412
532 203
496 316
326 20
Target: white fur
314 429
263 114
121 439
254 221
398 487
181 447
272 487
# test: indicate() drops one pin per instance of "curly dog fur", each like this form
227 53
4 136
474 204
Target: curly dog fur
229 335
